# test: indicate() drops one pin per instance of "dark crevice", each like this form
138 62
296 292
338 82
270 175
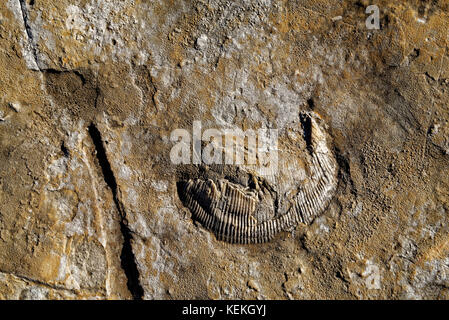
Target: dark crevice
64 150
429 77
103 160
81 76
415 54
29 32
311 104
128 261
306 123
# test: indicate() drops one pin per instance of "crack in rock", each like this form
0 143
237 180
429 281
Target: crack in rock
127 257
29 33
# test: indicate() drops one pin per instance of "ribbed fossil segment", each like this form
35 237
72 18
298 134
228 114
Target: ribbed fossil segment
238 214
314 196
226 209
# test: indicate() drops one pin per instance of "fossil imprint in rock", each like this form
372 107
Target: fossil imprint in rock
255 213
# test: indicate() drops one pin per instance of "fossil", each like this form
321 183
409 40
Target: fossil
251 214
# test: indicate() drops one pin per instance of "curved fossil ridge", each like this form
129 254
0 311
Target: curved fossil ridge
238 214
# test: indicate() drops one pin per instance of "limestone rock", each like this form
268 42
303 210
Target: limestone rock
92 91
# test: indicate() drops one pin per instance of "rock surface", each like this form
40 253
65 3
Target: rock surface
91 90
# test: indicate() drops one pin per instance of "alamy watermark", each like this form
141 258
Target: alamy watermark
258 149
255 148
373 21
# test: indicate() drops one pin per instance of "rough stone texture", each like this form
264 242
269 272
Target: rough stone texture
90 91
